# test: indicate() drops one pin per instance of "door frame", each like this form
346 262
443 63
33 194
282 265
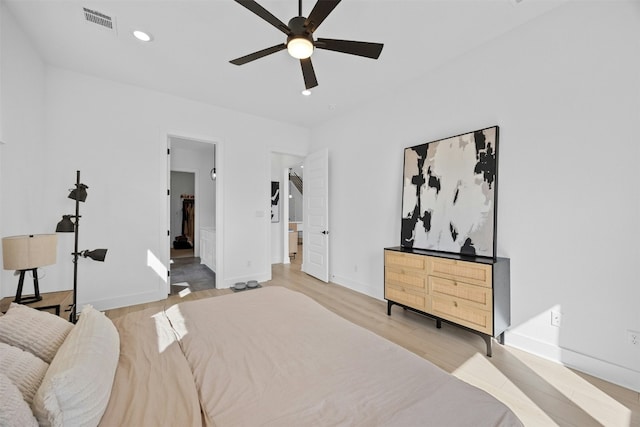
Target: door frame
219 165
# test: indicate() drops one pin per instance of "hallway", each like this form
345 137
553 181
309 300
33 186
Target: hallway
188 273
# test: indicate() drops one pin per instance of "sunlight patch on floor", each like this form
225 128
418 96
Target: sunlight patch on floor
480 372
593 401
186 291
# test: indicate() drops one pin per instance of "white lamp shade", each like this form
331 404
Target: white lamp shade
29 251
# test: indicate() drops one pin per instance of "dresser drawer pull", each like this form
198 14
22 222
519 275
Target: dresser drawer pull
455 303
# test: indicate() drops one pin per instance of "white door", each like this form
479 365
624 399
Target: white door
316 215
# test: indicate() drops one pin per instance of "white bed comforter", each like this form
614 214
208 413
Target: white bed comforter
275 357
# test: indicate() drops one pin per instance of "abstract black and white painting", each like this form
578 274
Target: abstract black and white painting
449 194
275 201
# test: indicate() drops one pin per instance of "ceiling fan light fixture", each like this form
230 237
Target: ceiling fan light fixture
300 47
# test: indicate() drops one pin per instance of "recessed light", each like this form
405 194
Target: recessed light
306 92
142 36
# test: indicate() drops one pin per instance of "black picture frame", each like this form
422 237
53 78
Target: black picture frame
449 194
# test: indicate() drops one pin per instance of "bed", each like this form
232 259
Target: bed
271 357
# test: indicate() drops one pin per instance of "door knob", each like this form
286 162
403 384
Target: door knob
325 232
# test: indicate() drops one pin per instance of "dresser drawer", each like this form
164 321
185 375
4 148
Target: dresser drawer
406 278
407 296
477 296
462 271
405 261
462 313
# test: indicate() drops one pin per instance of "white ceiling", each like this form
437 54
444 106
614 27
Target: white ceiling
195 39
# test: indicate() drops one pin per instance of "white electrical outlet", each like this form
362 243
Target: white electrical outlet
633 337
556 318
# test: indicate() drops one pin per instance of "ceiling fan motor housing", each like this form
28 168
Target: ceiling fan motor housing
298 30
300 40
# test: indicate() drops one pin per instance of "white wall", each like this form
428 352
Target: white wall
57 121
565 92
24 154
118 134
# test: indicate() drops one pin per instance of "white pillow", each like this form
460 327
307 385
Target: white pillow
14 411
35 331
24 369
76 388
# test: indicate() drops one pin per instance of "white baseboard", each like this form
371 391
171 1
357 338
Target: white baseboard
124 301
619 375
356 286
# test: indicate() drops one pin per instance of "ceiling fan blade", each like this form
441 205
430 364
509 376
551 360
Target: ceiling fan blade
259 54
265 14
320 11
366 49
308 73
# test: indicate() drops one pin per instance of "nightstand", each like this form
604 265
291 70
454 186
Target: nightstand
54 302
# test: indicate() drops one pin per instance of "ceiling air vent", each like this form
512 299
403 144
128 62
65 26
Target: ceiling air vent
99 18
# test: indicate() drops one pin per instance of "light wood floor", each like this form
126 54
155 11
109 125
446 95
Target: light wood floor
540 392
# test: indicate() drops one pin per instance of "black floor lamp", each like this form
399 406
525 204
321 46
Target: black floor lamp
66 225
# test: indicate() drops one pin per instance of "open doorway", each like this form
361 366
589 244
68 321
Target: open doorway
296 223
192 215
286 224
182 200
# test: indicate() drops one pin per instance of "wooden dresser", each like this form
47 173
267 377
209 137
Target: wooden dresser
470 292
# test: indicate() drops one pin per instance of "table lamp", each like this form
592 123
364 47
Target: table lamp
28 253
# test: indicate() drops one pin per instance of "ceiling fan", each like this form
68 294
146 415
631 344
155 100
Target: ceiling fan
300 42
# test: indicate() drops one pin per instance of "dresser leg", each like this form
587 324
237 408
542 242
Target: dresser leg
487 339
438 323
389 304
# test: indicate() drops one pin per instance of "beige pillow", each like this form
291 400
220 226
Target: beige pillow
24 369
14 411
76 389
37 332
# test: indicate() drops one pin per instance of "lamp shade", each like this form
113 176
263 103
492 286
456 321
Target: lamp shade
79 193
96 254
65 225
29 251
